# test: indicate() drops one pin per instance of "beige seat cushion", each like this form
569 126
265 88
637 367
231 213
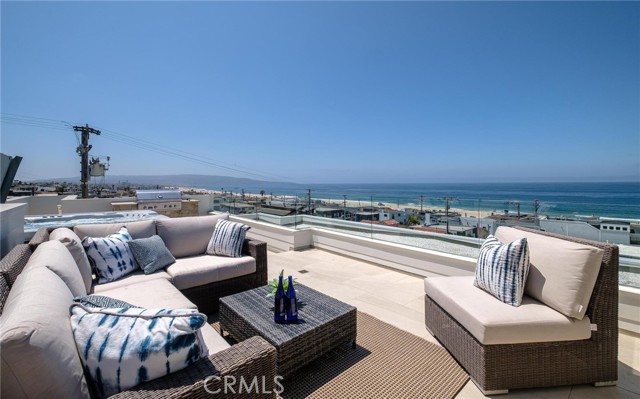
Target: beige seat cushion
74 245
39 354
56 257
141 229
204 269
562 273
134 278
493 322
188 236
214 341
153 294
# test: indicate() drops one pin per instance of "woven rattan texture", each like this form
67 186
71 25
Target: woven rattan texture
15 261
324 323
248 359
4 292
387 363
499 367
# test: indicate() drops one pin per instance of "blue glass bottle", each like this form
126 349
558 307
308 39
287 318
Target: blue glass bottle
292 303
279 308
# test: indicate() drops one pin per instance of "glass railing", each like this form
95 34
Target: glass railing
451 225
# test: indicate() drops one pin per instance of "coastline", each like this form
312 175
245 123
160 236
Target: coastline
356 203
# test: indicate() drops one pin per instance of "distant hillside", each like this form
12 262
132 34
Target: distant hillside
174 180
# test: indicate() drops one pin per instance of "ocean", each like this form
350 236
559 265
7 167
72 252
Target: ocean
620 199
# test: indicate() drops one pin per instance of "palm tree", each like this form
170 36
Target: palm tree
413 219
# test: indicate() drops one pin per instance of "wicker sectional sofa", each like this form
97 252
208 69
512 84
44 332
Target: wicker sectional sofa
39 281
536 344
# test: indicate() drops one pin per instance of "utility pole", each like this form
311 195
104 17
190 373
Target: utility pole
309 207
446 209
421 198
83 150
344 201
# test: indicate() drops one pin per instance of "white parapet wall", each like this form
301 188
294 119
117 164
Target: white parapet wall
417 261
11 226
73 204
629 309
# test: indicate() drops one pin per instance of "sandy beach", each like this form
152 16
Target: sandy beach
362 203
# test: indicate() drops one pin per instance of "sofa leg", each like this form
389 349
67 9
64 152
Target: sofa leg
605 383
489 393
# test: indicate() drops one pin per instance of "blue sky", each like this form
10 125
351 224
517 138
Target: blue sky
326 92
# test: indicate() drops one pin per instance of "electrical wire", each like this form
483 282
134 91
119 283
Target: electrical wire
47 123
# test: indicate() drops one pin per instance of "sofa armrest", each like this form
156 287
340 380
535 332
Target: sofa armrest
247 361
41 235
14 262
257 250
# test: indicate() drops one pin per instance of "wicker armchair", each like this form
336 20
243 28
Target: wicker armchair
498 368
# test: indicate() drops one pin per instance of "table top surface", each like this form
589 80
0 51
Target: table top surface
315 309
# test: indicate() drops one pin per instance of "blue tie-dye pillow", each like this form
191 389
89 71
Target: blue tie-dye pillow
121 348
110 256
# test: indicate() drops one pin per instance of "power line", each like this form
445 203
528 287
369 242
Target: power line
46 123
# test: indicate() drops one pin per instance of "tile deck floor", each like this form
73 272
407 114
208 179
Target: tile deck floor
398 298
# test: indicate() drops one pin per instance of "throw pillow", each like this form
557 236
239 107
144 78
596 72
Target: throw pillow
74 245
151 254
502 269
101 301
227 239
121 348
110 256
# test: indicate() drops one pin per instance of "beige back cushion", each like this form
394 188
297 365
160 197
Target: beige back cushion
142 229
188 236
39 354
74 245
562 273
56 257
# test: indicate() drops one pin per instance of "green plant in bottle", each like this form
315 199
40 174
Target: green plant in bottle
273 284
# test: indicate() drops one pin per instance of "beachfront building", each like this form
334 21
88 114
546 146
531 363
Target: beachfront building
329 212
366 215
456 230
236 208
397 215
612 231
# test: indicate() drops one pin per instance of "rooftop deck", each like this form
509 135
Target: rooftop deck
398 298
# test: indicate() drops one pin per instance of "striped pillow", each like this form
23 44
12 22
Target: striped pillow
121 348
110 256
227 239
101 301
502 269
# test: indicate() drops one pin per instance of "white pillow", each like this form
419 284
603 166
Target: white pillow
110 256
121 348
74 245
227 239
502 269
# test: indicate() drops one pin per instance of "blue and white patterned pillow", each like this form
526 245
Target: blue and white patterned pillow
110 256
502 269
227 239
121 348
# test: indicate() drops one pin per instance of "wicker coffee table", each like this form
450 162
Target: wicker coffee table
324 323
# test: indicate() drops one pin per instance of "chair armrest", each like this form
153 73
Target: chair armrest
257 250
253 359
